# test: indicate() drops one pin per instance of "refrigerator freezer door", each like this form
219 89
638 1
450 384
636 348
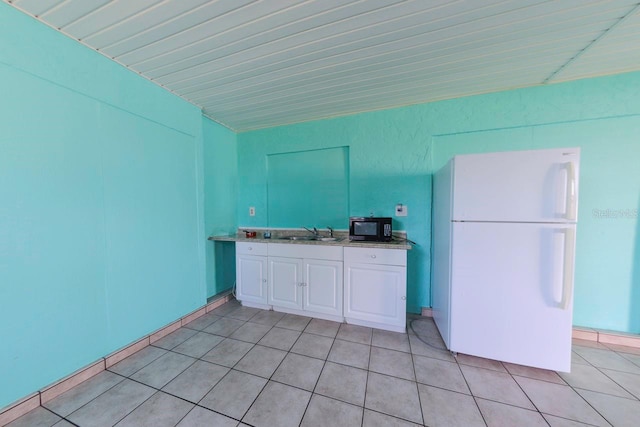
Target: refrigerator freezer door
517 186
511 292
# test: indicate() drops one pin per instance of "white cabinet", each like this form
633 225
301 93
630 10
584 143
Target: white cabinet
364 286
375 288
306 279
322 287
251 274
285 282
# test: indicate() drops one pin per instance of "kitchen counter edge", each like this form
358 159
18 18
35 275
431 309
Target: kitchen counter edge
395 244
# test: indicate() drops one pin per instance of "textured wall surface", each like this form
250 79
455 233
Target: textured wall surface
101 233
389 164
394 153
311 187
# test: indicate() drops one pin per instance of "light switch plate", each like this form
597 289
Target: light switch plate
401 210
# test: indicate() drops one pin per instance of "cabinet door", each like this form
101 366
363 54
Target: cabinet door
376 293
323 286
251 280
285 282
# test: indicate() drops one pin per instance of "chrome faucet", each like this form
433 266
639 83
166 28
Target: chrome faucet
330 231
314 232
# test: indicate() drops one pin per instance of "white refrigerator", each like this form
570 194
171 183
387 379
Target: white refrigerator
504 232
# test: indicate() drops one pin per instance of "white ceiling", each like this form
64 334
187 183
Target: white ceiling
251 64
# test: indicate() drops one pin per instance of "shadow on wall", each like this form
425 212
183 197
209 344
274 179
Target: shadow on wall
225 264
634 300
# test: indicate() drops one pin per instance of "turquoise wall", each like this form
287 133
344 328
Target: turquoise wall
310 186
220 187
389 164
109 186
101 219
393 154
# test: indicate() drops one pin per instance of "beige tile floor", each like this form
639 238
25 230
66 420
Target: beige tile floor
240 366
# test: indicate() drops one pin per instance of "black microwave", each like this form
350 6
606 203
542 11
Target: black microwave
370 229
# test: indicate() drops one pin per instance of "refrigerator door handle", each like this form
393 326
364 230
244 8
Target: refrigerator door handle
571 213
568 270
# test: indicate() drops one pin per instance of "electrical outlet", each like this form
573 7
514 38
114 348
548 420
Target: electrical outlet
401 210
252 211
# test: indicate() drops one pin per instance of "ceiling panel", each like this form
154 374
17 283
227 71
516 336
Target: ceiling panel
66 12
142 22
433 51
445 77
107 16
36 7
213 14
618 50
259 34
350 36
251 64
341 58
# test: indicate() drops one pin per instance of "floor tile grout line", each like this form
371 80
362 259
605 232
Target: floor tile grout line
565 418
257 395
185 415
62 417
523 391
536 379
320 375
413 356
83 405
582 397
528 397
471 391
507 372
366 387
588 403
130 412
617 370
600 369
270 379
633 398
626 358
232 368
393 416
312 391
196 404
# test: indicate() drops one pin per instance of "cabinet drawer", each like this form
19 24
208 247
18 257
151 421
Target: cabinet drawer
332 253
247 248
375 256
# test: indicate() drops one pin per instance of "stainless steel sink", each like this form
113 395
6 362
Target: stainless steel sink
297 238
311 238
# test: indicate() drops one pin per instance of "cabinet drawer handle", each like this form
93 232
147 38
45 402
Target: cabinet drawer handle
250 248
264 280
373 256
403 298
